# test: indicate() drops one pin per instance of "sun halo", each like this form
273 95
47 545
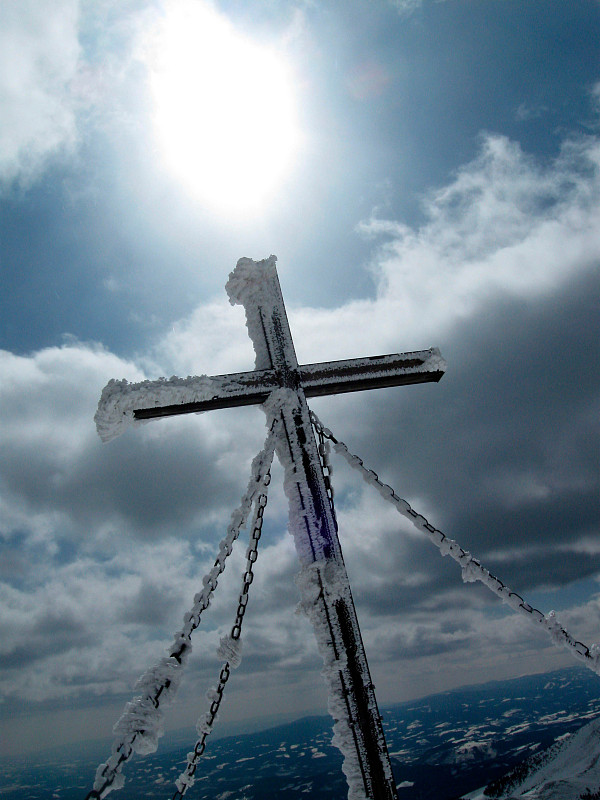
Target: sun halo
224 110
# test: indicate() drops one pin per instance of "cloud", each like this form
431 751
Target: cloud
57 467
104 546
504 226
39 54
526 112
66 67
502 275
406 7
504 223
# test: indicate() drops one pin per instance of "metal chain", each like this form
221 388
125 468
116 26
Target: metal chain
187 779
472 570
108 775
324 450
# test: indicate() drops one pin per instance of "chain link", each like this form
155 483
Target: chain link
186 779
324 450
472 569
108 775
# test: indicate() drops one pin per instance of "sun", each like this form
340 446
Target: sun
224 109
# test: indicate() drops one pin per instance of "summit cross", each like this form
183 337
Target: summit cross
282 386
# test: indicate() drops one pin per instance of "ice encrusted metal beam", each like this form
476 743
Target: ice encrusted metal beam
332 377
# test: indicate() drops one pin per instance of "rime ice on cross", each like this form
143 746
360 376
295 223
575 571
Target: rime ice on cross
281 385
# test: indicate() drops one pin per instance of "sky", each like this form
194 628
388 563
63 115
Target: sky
428 174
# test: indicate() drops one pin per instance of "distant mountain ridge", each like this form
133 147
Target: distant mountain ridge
442 747
568 770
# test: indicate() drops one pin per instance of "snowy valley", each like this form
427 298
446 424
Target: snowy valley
443 747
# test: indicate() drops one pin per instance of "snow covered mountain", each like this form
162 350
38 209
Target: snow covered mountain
441 746
569 770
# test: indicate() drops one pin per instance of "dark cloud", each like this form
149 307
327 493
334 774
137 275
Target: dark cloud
52 633
153 605
505 447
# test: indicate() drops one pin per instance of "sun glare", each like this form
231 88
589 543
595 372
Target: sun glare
224 109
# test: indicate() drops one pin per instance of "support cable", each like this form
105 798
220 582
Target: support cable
472 570
139 727
229 649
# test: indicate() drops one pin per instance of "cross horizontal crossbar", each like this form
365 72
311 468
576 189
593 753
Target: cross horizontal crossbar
333 377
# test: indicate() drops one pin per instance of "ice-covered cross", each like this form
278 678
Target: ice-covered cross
281 385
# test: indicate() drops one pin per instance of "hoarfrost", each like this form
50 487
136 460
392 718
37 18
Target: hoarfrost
230 650
251 284
212 695
119 399
145 720
285 404
554 628
204 724
143 716
325 580
184 781
166 673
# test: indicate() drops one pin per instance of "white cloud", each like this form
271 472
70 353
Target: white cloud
405 7
505 225
63 65
39 53
213 340
90 564
525 112
116 537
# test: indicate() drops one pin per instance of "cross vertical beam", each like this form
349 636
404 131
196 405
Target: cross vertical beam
358 729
